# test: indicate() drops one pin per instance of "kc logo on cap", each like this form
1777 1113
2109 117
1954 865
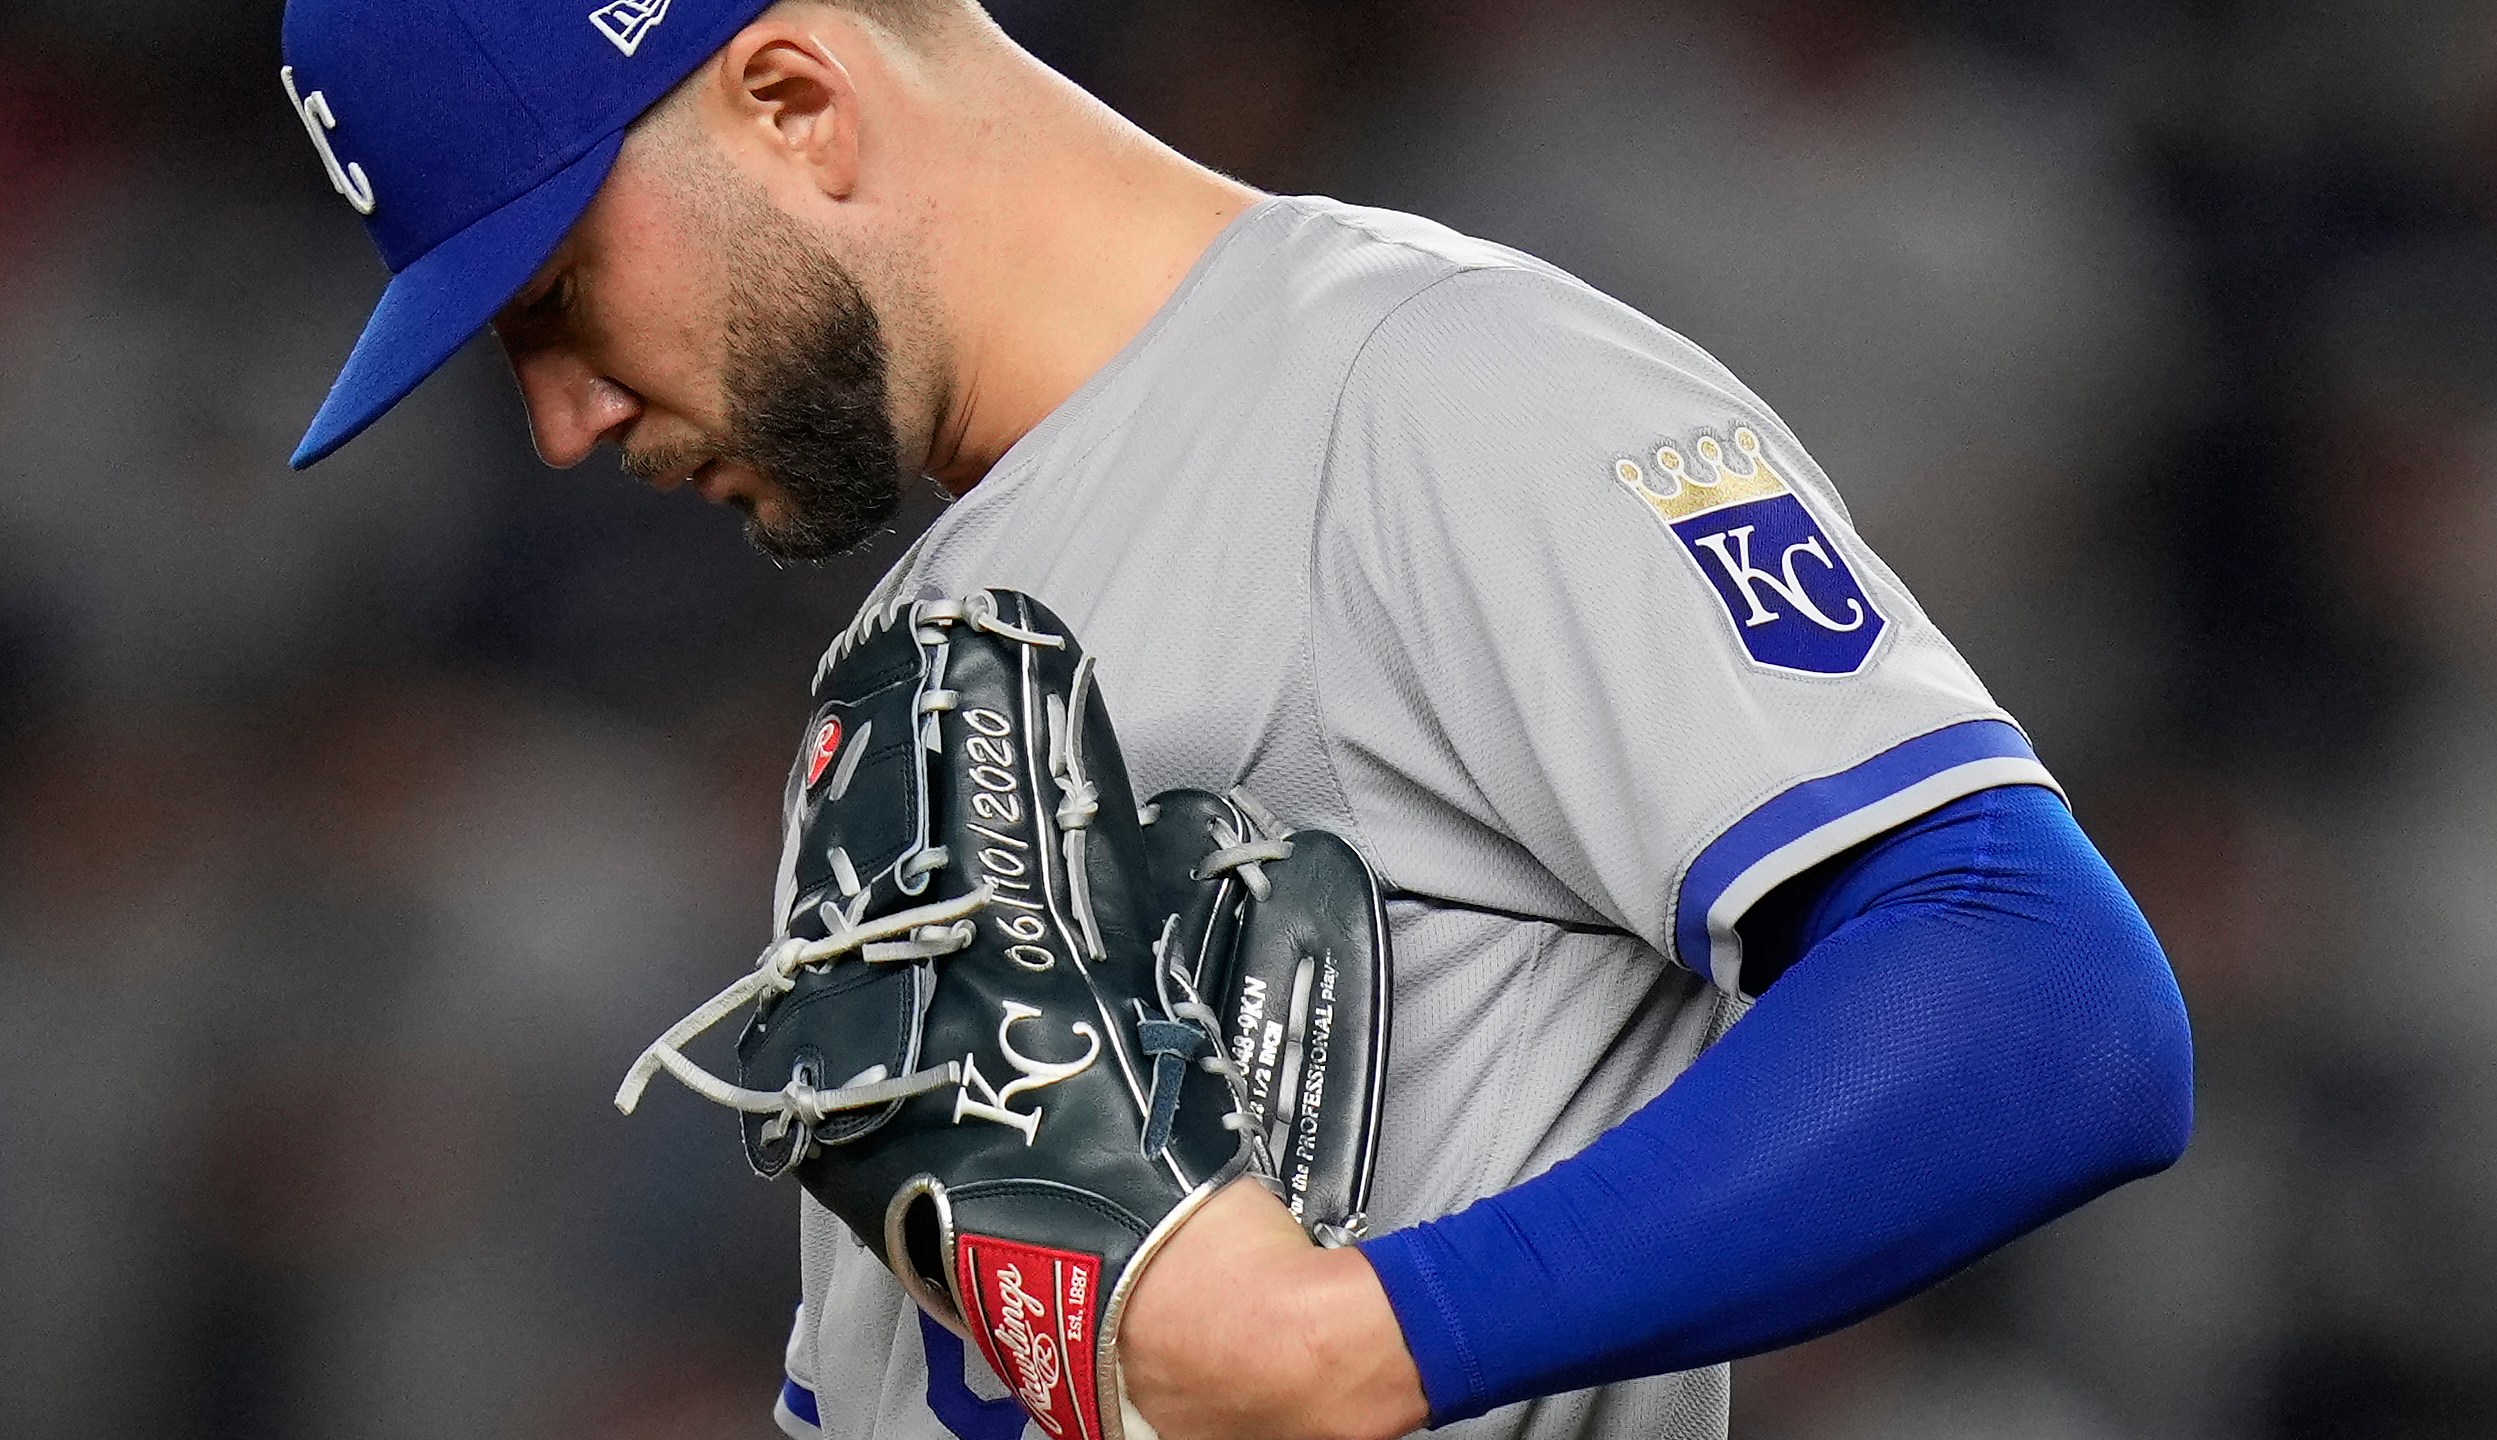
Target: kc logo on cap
313 110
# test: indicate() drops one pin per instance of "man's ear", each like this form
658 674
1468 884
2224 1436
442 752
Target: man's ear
787 92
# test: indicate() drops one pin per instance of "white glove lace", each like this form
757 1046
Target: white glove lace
926 932
921 932
1245 853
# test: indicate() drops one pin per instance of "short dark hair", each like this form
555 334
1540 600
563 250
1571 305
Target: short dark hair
910 19
914 21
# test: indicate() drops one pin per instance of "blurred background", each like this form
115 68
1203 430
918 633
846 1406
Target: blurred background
355 830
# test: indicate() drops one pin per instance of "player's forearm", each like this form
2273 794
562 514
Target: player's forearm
1932 1079
1243 1330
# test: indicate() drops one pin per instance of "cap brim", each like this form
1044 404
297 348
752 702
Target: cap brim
435 304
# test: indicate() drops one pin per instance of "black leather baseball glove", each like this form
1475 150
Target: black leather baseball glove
1017 1027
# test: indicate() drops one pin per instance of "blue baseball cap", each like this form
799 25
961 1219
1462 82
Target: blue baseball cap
471 134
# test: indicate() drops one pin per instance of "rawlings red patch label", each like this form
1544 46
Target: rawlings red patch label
1032 1310
827 745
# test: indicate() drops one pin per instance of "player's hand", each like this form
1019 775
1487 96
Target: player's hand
1242 1330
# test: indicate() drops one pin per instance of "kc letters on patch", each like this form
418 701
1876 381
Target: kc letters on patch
1786 587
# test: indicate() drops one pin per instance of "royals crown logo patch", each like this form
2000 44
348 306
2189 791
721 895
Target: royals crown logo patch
1787 589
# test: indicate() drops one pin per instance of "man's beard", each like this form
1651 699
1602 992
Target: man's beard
807 395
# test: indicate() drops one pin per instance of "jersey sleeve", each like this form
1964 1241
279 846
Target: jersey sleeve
1598 638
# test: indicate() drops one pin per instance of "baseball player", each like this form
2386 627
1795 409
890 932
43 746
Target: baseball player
1751 974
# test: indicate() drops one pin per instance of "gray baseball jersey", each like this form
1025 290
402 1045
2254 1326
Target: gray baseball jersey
1426 543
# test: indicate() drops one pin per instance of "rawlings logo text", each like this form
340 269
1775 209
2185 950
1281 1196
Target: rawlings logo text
1030 1309
1034 1358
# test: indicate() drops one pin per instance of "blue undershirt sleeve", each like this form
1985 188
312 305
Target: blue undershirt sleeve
1971 1031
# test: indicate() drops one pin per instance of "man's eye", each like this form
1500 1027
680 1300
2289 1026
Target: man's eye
556 299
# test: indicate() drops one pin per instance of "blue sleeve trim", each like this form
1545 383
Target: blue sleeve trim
800 1402
1806 824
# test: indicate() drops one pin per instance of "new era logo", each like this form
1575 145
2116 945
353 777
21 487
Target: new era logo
626 21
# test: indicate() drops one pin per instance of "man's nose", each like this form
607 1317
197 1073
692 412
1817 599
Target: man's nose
571 406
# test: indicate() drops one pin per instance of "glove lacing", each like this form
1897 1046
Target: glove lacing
933 930
937 929
1189 1028
1193 1029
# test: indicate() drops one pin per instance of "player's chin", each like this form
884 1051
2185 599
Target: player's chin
775 524
808 523
793 536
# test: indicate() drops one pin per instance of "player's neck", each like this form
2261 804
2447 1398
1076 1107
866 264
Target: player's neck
1074 228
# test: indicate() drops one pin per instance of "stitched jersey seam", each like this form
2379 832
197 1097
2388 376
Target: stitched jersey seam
1318 509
